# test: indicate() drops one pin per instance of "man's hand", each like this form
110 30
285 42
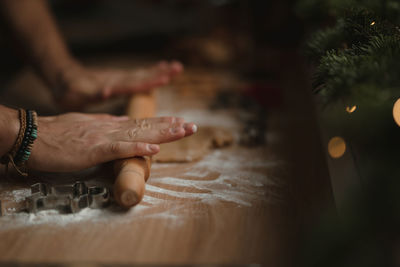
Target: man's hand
75 141
74 85
78 86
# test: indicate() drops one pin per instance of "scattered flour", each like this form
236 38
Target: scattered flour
227 176
18 195
235 181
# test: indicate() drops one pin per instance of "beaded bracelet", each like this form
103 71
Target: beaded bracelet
20 152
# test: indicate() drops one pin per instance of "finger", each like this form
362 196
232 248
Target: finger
171 69
169 119
147 125
118 150
176 68
162 132
156 77
154 136
163 122
129 86
162 65
190 128
121 118
154 123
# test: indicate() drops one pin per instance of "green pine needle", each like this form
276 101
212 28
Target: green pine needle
359 56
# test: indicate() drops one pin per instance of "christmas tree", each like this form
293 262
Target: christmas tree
355 63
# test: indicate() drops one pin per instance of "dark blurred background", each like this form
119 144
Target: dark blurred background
259 41
247 36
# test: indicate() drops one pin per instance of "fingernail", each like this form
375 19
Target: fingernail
177 66
152 147
194 128
176 130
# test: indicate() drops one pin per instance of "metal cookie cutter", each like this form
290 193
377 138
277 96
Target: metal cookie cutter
66 198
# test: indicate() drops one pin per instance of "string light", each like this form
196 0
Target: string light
351 109
336 147
396 112
372 23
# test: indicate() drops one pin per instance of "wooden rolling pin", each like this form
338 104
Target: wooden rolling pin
132 174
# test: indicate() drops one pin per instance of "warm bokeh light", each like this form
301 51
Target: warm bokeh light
336 147
351 109
372 23
396 111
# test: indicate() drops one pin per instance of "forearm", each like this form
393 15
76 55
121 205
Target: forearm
36 31
9 127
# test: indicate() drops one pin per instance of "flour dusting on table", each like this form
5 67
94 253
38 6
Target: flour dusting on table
234 176
234 180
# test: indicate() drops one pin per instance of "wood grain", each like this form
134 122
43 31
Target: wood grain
224 209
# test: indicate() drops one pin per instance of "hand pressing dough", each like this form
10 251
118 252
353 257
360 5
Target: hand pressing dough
194 147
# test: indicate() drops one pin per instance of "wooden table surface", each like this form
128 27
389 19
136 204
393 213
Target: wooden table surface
238 205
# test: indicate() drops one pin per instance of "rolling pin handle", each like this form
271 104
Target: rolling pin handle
130 182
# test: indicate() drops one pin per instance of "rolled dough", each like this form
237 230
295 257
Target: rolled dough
194 147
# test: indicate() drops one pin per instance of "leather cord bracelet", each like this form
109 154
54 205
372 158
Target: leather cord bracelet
21 150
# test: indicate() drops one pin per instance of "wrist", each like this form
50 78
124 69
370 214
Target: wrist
9 128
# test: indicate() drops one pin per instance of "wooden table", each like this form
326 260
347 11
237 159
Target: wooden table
238 205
